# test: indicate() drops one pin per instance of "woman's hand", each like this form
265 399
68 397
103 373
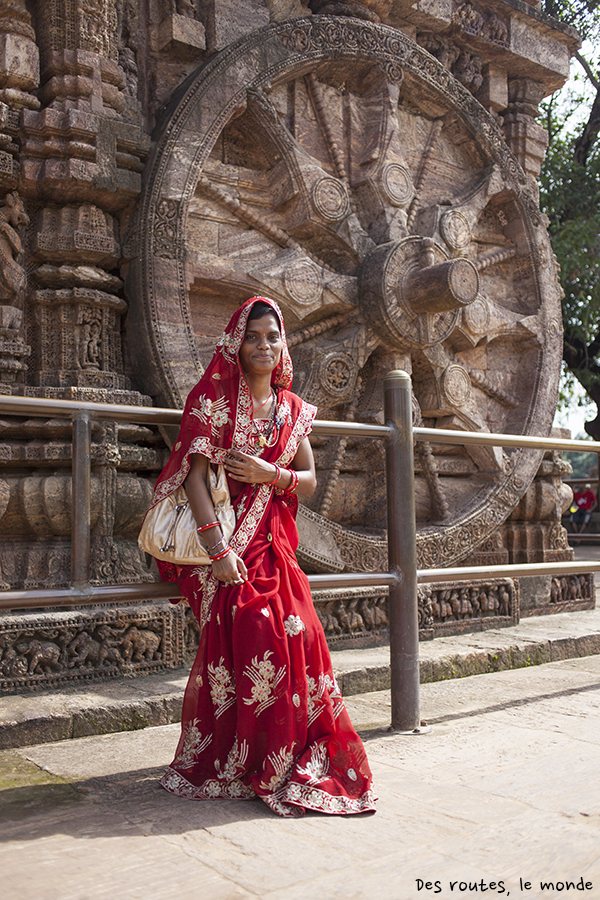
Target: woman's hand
230 570
250 469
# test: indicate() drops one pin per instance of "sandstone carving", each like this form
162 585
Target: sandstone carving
55 648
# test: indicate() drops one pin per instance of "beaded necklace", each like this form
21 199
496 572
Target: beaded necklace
263 434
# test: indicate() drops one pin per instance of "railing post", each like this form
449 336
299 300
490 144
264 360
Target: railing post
81 500
402 554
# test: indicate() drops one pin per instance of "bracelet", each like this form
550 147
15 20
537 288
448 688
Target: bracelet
202 528
222 540
277 476
222 554
293 483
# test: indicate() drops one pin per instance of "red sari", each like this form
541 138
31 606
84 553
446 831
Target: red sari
263 715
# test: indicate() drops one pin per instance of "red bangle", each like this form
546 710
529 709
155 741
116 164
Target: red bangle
221 554
202 528
293 483
277 476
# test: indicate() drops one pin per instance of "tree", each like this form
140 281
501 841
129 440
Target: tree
570 196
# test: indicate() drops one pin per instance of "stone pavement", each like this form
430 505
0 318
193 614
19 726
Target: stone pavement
501 797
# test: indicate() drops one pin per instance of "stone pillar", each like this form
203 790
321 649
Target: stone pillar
524 135
81 159
76 307
19 75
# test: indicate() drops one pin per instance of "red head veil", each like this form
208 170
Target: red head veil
218 410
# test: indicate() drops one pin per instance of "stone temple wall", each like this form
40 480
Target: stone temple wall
372 166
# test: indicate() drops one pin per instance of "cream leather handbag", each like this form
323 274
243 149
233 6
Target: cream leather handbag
169 529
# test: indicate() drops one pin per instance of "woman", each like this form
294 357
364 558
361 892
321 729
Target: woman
262 713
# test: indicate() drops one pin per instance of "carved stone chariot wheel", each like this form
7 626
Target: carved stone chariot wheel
337 167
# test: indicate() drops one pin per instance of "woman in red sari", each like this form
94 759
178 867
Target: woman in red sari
262 714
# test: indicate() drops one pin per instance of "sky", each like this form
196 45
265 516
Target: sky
574 416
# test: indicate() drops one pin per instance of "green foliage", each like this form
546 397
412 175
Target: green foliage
582 463
570 197
571 397
581 14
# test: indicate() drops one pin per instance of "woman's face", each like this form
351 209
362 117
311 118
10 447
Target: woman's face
262 345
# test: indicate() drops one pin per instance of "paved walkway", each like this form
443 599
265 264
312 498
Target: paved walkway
504 788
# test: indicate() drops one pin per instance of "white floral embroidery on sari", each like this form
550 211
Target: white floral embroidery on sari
222 687
208 586
294 625
302 427
236 762
230 344
312 798
283 763
314 699
317 768
315 702
265 679
193 745
217 412
210 790
335 695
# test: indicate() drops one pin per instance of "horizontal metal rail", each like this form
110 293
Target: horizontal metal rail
152 415
480 438
142 415
476 573
44 598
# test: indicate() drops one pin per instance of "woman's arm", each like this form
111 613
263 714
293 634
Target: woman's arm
304 464
231 568
254 470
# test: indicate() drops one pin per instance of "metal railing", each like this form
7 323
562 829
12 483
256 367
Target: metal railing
401 579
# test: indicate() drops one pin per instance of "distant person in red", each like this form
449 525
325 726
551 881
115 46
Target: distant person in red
585 501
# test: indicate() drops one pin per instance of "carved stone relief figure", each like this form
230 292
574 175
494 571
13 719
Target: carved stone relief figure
19 65
74 244
12 274
13 349
50 649
90 347
128 25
